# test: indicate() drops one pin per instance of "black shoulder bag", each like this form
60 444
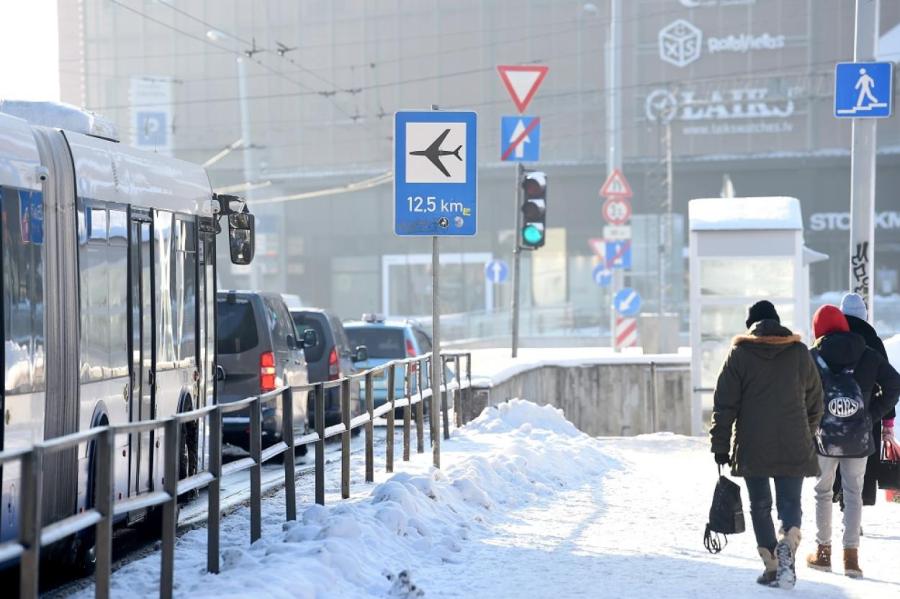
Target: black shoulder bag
726 515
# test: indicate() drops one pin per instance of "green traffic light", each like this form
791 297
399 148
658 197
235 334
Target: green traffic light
532 235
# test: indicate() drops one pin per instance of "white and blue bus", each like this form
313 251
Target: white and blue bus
108 301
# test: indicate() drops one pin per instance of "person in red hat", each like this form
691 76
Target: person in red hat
849 371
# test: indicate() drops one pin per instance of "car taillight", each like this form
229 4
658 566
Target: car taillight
266 372
411 353
334 368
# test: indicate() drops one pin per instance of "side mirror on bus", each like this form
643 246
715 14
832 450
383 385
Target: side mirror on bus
241 237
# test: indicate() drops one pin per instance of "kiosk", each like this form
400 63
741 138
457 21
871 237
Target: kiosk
741 250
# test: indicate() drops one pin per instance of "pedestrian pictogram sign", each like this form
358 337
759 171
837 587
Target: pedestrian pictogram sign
616 185
522 81
520 138
863 89
616 210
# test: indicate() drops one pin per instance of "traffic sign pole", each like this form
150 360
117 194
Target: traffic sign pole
517 255
437 368
862 170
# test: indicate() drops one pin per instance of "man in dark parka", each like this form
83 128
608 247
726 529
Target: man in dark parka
767 407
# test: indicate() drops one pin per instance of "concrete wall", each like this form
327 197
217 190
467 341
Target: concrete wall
601 399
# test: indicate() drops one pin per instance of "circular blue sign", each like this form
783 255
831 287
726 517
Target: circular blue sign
627 302
602 276
496 271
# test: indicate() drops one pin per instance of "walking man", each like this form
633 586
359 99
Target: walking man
849 372
767 406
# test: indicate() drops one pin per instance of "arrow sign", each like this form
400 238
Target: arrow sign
496 271
616 185
602 275
627 302
520 138
522 81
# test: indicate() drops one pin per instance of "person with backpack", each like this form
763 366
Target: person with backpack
766 408
850 371
854 309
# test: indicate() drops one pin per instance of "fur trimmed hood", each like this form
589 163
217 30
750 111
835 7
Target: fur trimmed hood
767 339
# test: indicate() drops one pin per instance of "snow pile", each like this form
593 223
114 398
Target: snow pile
374 546
892 346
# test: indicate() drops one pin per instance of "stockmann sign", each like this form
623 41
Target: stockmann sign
681 43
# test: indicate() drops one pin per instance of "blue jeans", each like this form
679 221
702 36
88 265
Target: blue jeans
787 493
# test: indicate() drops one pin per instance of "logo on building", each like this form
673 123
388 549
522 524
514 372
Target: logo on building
703 3
680 43
740 103
661 105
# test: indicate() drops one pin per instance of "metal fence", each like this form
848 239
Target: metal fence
33 536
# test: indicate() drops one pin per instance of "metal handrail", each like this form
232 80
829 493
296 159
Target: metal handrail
33 534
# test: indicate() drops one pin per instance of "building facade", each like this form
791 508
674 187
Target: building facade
741 88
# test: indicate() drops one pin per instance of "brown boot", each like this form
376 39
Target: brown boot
851 562
767 578
821 559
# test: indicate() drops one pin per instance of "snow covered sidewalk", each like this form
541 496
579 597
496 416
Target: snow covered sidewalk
525 506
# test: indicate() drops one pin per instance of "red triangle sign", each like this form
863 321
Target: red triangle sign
616 185
522 81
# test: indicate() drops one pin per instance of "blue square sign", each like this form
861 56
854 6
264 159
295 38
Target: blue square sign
152 128
618 254
435 173
520 138
863 89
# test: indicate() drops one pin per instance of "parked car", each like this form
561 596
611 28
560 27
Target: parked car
330 359
258 351
388 340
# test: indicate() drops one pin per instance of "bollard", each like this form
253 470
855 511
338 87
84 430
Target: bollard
255 470
104 475
213 492
29 562
319 415
407 413
389 449
468 396
169 509
287 435
420 410
370 431
345 438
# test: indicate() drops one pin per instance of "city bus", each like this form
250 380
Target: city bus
108 300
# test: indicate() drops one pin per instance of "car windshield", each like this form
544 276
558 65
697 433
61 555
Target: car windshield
382 343
236 327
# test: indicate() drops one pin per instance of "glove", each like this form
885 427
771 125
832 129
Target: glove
721 459
887 434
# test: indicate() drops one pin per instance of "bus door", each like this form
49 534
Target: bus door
141 326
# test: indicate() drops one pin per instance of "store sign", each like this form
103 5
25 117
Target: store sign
738 103
840 221
681 43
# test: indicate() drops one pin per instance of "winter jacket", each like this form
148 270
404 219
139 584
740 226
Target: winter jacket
848 350
861 327
770 396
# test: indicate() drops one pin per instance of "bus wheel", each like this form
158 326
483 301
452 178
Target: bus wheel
187 463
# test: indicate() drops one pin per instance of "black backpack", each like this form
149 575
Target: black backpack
846 428
726 515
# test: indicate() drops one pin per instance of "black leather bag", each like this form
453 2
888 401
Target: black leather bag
726 515
888 469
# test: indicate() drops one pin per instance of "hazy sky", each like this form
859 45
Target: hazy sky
29 50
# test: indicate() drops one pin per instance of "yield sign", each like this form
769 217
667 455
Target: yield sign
522 81
616 185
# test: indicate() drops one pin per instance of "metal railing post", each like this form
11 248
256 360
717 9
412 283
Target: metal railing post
345 439
389 450
457 397
407 409
171 459
214 514
29 571
468 396
370 431
420 410
256 470
319 415
104 477
444 392
654 415
287 435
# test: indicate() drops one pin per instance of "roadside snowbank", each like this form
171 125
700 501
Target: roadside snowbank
501 461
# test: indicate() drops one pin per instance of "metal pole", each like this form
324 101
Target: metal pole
170 508
345 438
287 435
256 470
213 514
103 499
369 430
436 364
517 255
613 82
389 449
862 170
320 443
249 174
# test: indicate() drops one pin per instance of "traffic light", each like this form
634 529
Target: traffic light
534 210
